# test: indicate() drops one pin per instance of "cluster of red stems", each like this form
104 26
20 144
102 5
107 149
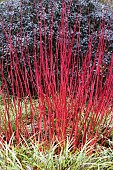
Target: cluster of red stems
76 103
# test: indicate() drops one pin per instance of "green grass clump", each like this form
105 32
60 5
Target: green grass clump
33 156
